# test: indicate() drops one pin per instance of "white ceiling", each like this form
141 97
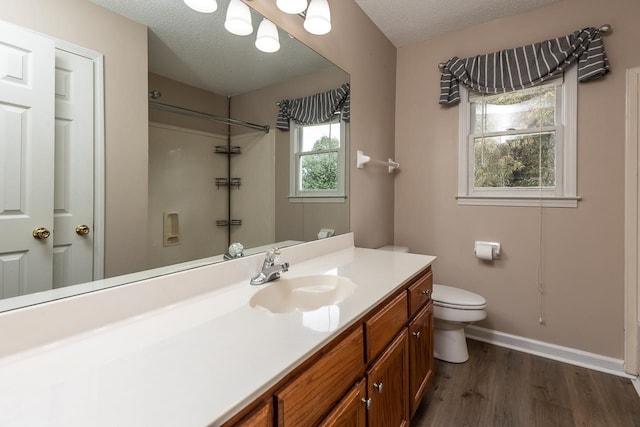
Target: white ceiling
409 21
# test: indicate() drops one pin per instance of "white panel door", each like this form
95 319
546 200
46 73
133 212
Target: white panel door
73 194
26 160
632 225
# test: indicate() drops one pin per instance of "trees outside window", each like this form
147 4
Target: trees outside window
514 138
519 148
318 161
320 171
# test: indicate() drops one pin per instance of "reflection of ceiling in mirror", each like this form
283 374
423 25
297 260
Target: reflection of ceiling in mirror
194 48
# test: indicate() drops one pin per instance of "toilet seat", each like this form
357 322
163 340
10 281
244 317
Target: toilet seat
455 298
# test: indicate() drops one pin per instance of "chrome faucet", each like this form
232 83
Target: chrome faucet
270 270
235 251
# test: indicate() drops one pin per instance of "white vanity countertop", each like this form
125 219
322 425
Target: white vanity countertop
194 363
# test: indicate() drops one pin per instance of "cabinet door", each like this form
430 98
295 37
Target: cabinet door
420 355
351 411
387 386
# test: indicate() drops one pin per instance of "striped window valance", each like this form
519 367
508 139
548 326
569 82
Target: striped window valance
316 108
526 66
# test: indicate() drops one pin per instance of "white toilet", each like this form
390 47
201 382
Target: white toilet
454 309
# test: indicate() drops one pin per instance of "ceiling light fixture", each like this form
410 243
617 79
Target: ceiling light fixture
267 39
203 6
293 7
238 20
318 17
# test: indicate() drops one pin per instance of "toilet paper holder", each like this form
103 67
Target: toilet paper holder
479 249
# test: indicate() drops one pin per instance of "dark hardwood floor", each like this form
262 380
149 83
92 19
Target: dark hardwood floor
503 387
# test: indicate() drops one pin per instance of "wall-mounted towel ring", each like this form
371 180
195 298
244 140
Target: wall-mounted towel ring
363 159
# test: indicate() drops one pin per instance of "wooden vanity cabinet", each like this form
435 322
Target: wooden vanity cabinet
373 375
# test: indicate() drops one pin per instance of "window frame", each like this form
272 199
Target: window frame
563 195
296 195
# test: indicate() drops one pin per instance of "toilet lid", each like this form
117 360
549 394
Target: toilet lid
448 296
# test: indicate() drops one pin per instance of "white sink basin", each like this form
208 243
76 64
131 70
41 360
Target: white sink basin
305 293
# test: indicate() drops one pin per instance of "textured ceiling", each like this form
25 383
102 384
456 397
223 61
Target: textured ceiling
409 21
194 48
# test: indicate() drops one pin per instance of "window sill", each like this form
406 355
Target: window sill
546 202
317 199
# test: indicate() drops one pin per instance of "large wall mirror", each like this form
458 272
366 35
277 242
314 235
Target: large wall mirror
210 182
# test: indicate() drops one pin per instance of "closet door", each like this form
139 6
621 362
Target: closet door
73 179
26 161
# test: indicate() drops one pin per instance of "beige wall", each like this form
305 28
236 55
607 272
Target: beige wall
124 46
583 247
358 47
294 221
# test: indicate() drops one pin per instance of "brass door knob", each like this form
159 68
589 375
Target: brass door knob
41 233
82 230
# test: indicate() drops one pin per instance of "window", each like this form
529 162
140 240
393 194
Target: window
519 148
318 162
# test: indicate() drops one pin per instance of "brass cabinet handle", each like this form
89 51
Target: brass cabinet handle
378 386
82 230
41 233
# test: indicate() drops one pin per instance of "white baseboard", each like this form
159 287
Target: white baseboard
569 355
636 384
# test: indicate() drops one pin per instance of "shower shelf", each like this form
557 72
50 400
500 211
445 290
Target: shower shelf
228 182
225 223
225 149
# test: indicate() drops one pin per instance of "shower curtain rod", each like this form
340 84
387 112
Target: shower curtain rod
197 114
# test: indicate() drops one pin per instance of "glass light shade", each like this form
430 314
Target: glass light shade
238 20
318 17
292 6
267 39
204 6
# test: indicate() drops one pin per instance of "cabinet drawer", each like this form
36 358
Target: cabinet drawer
384 325
308 398
420 292
260 417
